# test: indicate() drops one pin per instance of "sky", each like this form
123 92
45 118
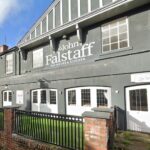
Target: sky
17 17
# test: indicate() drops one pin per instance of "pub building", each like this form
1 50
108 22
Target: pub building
83 54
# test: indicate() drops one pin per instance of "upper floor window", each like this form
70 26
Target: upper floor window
9 63
38 58
115 35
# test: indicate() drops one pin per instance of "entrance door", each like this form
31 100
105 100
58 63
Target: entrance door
7 98
138 108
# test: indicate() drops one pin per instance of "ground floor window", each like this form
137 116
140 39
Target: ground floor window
138 100
7 96
82 99
44 96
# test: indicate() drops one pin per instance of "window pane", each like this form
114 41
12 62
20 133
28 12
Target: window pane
33 34
105 34
122 21
114 39
35 97
123 37
101 98
114 46
106 48
123 29
85 97
105 41
5 96
133 100
123 44
52 97
72 97
144 105
38 58
43 97
44 22
38 30
113 31
10 97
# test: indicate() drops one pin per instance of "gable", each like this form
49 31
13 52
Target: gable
62 12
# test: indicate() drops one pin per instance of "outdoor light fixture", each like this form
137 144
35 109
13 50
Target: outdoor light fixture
6 86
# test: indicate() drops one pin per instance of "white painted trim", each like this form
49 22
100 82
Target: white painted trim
79 9
69 9
100 3
89 5
61 13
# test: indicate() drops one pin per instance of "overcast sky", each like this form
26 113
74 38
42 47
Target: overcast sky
17 16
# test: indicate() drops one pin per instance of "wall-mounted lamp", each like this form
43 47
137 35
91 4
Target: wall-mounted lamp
117 91
6 86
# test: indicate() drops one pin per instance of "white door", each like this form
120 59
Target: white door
138 108
7 98
44 100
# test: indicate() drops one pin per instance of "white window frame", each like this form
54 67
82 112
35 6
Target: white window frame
47 96
7 92
93 95
34 58
9 69
109 23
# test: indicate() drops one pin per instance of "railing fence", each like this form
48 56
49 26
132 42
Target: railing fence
1 119
62 130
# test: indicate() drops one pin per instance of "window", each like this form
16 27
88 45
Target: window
33 34
72 97
35 97
85 97
38 30
115 35
44 25
9 63
52 97
101 98
43 97
38 58
7 96
138 100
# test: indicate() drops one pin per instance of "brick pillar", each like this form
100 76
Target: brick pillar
96 130
8 127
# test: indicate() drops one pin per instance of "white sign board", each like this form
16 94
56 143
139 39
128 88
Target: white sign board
140 77
19 97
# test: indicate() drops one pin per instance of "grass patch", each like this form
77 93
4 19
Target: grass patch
60 132
132 141
1 120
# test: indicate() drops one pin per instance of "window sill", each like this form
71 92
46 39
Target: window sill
115 53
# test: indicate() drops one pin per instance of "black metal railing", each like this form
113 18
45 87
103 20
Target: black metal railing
1 119
62 130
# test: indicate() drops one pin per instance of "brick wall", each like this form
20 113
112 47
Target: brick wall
97 132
